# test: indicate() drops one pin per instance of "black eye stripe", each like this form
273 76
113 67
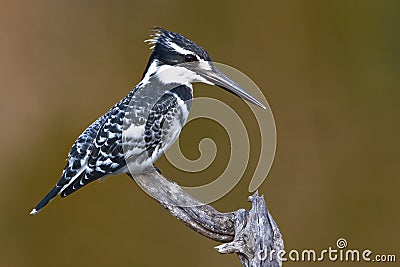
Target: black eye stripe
190 58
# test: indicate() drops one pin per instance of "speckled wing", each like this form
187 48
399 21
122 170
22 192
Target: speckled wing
105 155
87 159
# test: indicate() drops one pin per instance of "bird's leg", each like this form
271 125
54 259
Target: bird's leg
156 168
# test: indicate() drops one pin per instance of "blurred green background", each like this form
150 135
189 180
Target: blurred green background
329 69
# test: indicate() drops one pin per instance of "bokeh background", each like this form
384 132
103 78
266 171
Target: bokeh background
329 69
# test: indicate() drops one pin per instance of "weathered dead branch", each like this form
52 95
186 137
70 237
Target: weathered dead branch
252 234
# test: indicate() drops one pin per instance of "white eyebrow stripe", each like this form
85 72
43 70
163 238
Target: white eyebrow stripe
180 50
204 64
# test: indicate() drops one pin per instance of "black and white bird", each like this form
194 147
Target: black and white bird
137 130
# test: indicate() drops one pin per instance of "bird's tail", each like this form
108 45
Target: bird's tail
50 195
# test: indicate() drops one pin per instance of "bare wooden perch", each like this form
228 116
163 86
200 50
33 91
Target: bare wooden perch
251 234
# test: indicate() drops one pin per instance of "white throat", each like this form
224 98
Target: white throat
167 74
178 74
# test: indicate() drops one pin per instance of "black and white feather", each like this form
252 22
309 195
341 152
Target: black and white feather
136 131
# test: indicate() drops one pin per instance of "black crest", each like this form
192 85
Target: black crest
164 44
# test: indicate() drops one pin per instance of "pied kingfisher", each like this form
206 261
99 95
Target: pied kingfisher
139 128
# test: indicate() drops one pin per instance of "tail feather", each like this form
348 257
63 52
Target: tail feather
58 188
50 195
80 181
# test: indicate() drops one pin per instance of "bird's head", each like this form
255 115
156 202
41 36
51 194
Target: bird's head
176 59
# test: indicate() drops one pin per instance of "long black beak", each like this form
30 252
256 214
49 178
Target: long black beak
218 78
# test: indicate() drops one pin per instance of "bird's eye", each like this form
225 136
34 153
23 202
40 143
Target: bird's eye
190 58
